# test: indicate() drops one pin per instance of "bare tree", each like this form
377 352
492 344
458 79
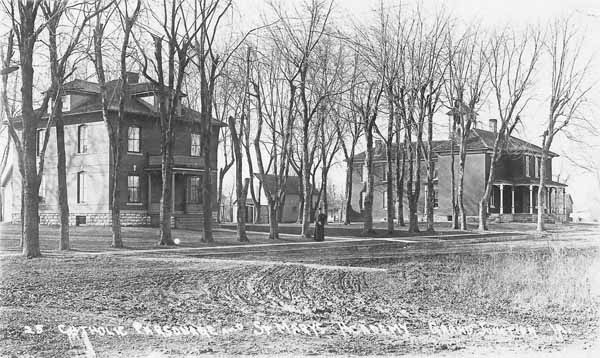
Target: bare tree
297 36
59 73
209 64
349 129
27 29
368 95
113 123
568 93
510 64
465 91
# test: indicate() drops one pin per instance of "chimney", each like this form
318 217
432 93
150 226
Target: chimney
132 77
493 125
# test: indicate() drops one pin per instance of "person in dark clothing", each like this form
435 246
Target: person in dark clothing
320 226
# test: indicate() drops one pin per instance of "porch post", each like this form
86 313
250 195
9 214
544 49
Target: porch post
564 205
173 192
501 199
512 201
149 191
531 199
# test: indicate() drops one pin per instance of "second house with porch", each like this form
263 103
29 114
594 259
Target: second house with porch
89 160
514 191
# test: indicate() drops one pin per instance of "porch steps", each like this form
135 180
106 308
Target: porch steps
532 218
191 221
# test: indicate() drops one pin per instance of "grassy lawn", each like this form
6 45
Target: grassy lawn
170 304
98 238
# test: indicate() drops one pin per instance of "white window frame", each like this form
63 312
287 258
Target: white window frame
131 140
195 145
527 166
82 141
384 196
136 197
81 192
537 166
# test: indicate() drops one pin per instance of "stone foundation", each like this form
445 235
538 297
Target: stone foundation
128 218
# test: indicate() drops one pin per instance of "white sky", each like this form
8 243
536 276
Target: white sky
584 186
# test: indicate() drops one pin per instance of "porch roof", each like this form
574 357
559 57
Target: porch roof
528 182
176 170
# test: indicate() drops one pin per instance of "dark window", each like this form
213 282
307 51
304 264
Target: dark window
41 133
80 220
133 188
435 199
195 147
81 187
82 139
133 139
194 193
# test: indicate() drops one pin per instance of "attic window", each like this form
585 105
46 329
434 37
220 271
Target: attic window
66 104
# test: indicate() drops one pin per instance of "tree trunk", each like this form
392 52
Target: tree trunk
348 201
31 243
430 174
241 187
242 215
307 202
400 165
166 198
219 194
273 224
453 180
390 169
461 186
412 194
368 203
117 240
483 203
541 203
63 200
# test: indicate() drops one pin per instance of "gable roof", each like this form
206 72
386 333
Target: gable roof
292 184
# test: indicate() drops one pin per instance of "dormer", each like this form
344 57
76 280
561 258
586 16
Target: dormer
66 103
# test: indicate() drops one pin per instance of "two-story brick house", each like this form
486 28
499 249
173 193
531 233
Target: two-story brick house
515 189
89 160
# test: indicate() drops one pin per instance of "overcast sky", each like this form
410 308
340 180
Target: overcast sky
584 185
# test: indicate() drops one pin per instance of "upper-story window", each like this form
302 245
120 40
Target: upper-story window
436 203
41 134
82 139
384 197
527 165
133 139
537 167
195 150
385 175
